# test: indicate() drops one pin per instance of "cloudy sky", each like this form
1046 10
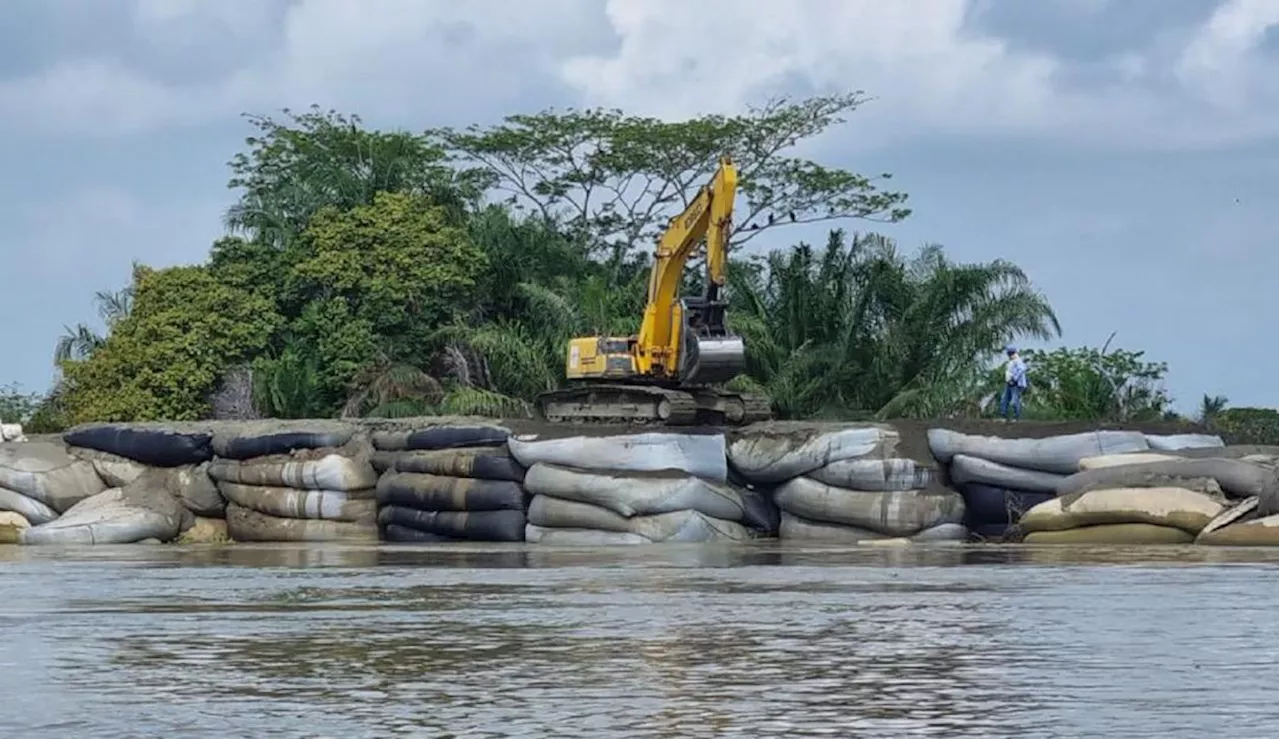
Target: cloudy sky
1124 152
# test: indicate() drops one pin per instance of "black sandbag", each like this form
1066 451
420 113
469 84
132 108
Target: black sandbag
439 493
248 447
157 447
760 513
406 535
383 461
440 437
988 504
505 525
485 463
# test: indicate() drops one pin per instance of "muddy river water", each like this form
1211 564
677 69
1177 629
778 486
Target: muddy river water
328 641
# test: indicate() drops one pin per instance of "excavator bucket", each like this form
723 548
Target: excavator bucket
711 360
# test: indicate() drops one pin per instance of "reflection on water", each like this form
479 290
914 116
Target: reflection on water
770 640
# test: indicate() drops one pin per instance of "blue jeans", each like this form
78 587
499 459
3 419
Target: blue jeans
1012 397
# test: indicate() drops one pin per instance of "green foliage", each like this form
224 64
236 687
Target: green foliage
1247 425
1093 384
318 159
163 359
860 327
615 179
17 406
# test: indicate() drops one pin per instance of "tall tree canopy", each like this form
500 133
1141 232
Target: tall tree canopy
390 273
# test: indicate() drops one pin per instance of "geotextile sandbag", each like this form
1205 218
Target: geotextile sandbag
675 527
484 463
334 505
47 472
1236 478
153 444
645 493
796 528
1060 454
190 484
875 475
701 455
501 525
252 439
1158 506
1115 534
774 451
1258 532
440 437
247 525
1184 441
1120 460
895 513
115 516
115 471
440 493
966 469
330 471
32 510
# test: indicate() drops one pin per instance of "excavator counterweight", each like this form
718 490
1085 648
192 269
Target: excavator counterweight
669 372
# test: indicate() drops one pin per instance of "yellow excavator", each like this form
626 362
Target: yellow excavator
667 372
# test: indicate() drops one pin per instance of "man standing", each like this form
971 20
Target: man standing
1015 381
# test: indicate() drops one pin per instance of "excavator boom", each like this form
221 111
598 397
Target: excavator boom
665 373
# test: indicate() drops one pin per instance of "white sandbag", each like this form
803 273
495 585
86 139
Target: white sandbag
1236 477
1168 506
683 527
1171 442
895 513
329 472
795 528
30 509
775 451
973 469
557 513
702 455
115 516
14 522
1061 454
115 471
333 505
637 493
1104 461
875 474
580 537
11 432
246 524
46 472
190 484
1260 532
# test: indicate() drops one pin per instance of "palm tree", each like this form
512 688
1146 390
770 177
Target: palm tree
1210 409
81 341
862 328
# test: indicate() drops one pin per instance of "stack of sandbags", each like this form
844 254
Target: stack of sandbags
1001 479
39 480
172 458
450 483
845 483
635 489
301 483
1140 493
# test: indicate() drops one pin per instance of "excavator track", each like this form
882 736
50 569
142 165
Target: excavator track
649 405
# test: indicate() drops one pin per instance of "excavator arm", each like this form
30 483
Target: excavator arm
664 341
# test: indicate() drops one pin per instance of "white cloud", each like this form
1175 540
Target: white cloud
441 60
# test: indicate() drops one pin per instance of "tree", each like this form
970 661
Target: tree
859 327
1095 384
616 179
1240 425
319 159
163 359
82 341
17 406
